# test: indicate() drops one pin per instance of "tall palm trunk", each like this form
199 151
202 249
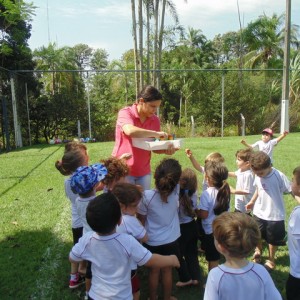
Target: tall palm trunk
160 39
141 56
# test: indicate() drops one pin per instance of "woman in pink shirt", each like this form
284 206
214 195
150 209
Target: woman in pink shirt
139 121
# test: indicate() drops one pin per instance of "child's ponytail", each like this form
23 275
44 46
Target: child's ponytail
217 174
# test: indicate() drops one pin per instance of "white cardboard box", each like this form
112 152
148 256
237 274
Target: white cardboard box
149 144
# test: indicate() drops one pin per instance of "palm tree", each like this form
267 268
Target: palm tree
265 39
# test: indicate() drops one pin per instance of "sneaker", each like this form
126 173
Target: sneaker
73 284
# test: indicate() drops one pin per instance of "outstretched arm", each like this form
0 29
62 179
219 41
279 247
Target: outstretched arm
246 144
163 261
282 136
194 162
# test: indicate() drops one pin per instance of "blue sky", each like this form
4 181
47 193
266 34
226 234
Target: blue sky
107 23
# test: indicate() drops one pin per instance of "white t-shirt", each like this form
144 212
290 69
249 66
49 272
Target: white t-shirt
252 282
294 242
132 226
183 217
81 204
269 204
266 147
244 182
76 221
110 257
207 203
162 221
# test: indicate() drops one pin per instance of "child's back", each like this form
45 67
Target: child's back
236 235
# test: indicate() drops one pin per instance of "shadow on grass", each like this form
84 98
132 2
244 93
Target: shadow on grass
34 265
28 173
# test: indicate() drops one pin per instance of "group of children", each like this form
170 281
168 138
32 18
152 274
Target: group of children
169 219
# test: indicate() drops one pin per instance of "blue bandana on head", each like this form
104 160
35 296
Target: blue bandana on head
86 177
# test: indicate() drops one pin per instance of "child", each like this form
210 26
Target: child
236 235
189 271
216 157
158 211
84 182
117 170
244 189
268 205
213 202
111 253
75 155
267 142
129 196
293 281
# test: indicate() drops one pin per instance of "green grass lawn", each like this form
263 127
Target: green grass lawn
35 232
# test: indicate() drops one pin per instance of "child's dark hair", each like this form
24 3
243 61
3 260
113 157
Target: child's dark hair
116 169
103 213
244 154
74 157
217 174
150 93
237 232
188 186
127 193
260 160
167 175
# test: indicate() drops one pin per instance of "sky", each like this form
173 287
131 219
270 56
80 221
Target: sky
107 23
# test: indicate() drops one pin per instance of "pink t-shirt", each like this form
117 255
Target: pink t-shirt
139 163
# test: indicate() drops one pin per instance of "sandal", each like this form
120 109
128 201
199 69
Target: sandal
269 265
256 257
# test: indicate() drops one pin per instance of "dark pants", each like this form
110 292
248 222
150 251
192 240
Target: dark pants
189 264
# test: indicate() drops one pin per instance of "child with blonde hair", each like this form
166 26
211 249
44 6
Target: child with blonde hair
236 235
158 211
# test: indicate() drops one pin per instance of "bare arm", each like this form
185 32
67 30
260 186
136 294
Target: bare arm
163 261
194 162
137 132
202 214
142 218
282 136
232 174
246 144
252 201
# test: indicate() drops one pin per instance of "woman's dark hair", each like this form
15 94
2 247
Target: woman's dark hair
150 93
217 174
167 175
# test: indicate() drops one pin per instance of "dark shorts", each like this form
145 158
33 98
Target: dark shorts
135 281
167 249
211 253
77 234
273 232
292 288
